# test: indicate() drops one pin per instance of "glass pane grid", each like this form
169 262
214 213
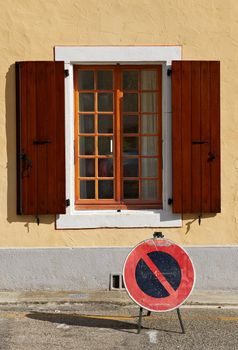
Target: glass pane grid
141 186
95 160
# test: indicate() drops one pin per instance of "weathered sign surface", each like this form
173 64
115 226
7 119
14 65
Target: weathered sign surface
158 275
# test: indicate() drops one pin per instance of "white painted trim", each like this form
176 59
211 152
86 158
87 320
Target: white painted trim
124 55
123 219
120 54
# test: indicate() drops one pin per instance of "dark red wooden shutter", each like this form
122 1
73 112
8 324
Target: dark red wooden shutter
196 136
40 137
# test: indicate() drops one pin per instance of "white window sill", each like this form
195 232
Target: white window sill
122 219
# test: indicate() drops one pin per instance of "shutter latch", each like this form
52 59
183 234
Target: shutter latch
41 142
67 202
199 142
66 73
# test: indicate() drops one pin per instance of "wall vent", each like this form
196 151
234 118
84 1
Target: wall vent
116 281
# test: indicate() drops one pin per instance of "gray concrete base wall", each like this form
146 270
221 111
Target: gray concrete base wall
90 268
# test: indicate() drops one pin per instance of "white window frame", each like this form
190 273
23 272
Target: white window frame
139 55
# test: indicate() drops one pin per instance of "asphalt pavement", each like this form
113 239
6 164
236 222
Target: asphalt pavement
99 321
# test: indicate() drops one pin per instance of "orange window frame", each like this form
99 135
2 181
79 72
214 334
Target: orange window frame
117 202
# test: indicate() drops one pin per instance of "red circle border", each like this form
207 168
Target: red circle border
187 275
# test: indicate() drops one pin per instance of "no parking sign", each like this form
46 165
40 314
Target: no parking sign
158 275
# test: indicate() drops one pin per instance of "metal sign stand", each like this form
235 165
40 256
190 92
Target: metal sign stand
158 235
149 313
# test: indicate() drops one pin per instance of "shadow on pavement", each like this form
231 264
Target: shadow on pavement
96 321
82 320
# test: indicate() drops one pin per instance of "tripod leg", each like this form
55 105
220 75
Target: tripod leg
139 322
180 321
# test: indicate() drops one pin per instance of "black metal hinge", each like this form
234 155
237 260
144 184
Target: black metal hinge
67 202
66 73
169 72
170 201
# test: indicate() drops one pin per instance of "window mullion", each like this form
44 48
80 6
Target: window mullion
96 132
139 136
76 134
117 134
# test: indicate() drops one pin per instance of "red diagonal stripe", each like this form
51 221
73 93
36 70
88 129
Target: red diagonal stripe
158 274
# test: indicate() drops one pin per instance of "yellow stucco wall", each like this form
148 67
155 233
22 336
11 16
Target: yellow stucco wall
206 29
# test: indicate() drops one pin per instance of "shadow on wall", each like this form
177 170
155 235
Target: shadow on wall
193 218
11 155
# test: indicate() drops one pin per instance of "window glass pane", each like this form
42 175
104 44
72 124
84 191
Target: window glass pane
86 102
130 124
149 145
105 189
105 80
149 124
130 102
149 189
130 167
131 189
86 80
130 80
105 102
87 189
105 145
149 167
149 102
105 123
148 80
86 123
87 167
105 167
130 145
86 145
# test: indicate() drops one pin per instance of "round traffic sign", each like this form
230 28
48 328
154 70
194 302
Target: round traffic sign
158 275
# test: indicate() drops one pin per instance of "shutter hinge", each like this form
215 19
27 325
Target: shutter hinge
169 72
67 202
66 73
170 201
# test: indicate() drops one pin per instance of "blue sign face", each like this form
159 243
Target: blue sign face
149 283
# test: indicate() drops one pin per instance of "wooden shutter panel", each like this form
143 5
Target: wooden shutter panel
40 138
196 136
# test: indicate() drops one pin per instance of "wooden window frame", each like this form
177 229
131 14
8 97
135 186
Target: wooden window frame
118 202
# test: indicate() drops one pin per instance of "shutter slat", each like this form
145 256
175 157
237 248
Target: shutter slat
51 136
196 136
215 135
42 118
40 110
205 135
60 138
21 86
29 204
186 136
